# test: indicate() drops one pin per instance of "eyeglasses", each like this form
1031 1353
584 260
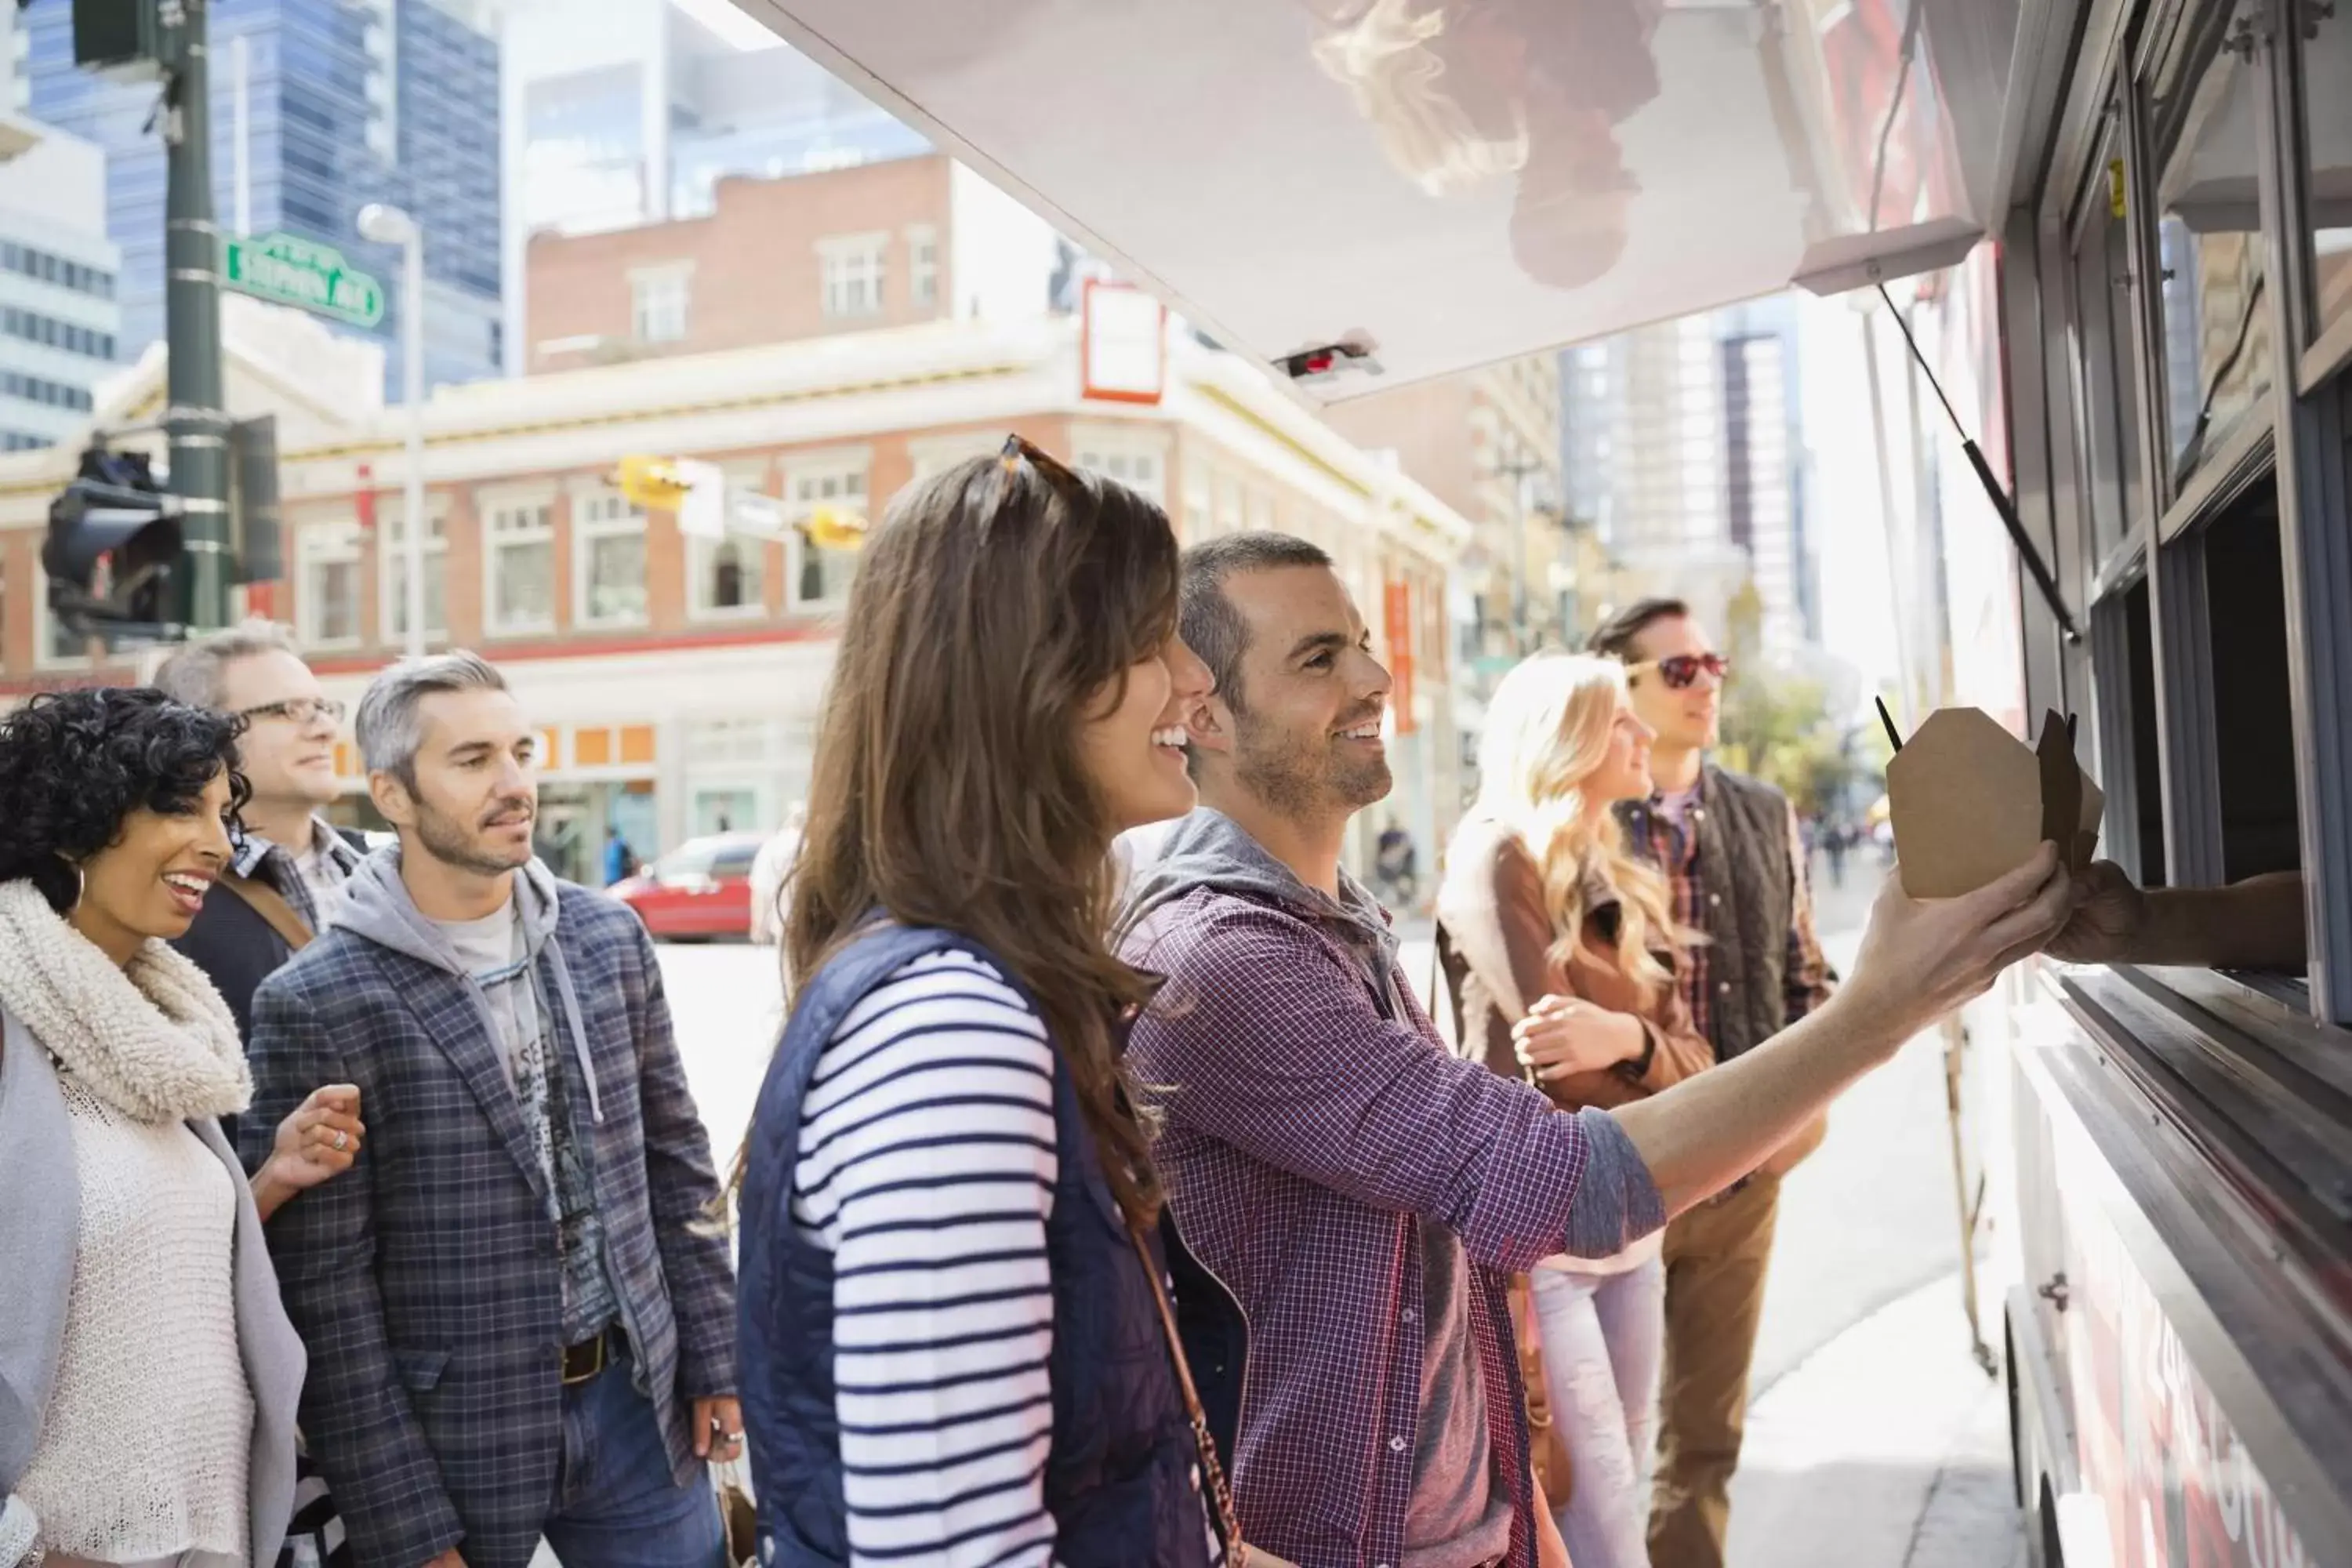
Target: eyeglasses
300 710
1681 671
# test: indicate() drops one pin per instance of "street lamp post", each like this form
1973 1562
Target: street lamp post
391 226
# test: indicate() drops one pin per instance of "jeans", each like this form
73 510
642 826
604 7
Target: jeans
616 1503
1602 1335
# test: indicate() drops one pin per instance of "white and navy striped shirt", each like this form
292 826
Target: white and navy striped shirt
927 1168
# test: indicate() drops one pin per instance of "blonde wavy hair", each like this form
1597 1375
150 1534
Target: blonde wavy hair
1548 728
1399 84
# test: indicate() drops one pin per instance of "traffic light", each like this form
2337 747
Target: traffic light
657 484
253 532
113 544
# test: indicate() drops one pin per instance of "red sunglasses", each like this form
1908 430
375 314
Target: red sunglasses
1681 671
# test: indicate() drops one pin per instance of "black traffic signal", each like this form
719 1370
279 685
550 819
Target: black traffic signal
254 533
114 542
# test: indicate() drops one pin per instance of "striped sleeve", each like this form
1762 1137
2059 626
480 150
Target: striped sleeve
927 1168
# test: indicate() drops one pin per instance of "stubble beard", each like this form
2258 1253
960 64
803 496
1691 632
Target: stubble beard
1300 782
449 843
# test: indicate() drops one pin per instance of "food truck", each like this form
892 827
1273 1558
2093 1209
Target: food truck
2120 234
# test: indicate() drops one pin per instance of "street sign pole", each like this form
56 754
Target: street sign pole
195 421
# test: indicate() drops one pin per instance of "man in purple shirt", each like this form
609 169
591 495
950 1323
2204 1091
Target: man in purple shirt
1362 1196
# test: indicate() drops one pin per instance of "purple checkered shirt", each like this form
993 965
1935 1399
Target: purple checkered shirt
1312 1122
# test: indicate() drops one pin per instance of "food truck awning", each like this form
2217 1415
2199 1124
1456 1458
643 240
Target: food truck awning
1424 186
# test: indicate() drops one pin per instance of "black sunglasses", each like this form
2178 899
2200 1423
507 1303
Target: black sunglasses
1681 671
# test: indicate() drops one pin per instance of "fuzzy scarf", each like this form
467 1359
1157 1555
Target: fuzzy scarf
154 1040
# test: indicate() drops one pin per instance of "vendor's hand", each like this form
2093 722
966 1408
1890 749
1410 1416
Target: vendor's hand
1561 1035
452 1558
1259 1557
319 1141
1923 957
2110 914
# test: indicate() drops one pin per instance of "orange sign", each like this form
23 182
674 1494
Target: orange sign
1396 606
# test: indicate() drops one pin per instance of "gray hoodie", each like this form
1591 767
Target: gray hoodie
378 909
1209 850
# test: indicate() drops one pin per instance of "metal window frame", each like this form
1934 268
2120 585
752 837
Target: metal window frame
2188 764
2314 520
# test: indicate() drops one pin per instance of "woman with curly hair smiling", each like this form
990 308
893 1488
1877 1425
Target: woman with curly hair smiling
148 1374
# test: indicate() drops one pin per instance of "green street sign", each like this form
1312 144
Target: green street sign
286 270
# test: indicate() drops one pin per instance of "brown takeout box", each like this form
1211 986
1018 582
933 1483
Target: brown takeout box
1970 802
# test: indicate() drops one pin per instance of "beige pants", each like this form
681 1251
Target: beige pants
1715 1259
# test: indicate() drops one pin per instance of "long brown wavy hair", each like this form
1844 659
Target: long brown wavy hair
998 606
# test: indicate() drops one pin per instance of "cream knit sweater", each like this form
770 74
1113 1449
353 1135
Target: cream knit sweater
152 1401
146 1441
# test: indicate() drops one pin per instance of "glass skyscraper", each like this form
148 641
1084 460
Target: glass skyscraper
344 102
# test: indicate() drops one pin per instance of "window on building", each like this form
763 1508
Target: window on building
1196 500
608 553
1229 504
923 266
937 454
327 603
730 577
660 299
820 576
852 269
520 541
1139 467
391 545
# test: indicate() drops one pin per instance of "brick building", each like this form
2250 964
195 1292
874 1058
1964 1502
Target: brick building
846 250
679 679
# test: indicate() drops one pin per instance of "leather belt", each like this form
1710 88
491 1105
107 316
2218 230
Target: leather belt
588 1358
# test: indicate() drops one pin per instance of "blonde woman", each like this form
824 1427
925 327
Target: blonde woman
1559 950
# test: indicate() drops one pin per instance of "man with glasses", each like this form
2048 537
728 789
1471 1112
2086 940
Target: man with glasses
288 875
1729 844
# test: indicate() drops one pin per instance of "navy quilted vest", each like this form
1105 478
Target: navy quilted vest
1121 1474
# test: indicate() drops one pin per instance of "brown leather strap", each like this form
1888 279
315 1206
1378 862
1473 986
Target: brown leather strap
271 906
1220 1495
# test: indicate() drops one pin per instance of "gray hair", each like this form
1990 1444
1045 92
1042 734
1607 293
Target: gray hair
196 672
389 730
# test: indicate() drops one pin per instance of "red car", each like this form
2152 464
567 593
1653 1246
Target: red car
700 889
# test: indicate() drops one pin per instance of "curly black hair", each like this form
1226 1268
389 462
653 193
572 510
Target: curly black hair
73 764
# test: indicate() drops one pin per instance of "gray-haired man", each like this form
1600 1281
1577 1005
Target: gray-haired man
290 865
518 1322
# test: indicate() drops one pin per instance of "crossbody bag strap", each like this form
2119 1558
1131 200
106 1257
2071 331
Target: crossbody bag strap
271 906
1220 1495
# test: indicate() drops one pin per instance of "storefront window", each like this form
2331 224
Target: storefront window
2327 147
2218 354
2113 475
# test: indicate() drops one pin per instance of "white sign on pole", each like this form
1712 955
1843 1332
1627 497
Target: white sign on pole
749 512
702 514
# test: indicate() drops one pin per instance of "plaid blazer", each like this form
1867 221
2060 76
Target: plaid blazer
425 1279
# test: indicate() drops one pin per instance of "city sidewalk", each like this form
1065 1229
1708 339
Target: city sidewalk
1888 1448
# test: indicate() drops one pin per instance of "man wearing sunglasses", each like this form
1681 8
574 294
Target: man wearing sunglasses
1729 846
290 865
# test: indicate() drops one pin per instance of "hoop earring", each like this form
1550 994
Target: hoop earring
82 884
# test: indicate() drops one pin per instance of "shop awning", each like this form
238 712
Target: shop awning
1431 184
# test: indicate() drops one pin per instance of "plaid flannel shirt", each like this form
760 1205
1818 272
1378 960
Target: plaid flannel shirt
1807 979
1311 1123
274 864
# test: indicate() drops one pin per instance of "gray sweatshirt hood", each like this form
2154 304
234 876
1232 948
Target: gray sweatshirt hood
1208 850
378 908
